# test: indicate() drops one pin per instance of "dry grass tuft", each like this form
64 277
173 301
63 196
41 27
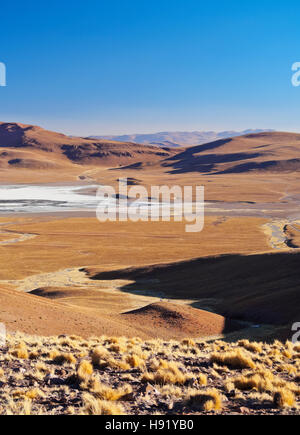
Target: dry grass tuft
251 347
209 400
30 394
93 406
63 358
20 351
117 348
188 342
187 376
84 371
284 398
257 381
170 373
235 360
99 355
135 361
105 392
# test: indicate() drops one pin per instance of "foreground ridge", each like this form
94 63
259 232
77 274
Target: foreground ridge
117 375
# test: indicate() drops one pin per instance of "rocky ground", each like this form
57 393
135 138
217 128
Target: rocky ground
108 375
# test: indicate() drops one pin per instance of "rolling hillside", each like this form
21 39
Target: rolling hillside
270 151
261 288
32 147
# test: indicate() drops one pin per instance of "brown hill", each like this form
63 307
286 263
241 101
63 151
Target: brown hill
182 320
42 313
27 146
270 151
32 147
262 288
40 316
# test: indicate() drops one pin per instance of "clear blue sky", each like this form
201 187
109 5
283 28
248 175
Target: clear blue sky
129 66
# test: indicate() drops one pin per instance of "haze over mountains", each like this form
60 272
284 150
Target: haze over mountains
178 138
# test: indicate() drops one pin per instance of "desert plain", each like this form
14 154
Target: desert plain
64 273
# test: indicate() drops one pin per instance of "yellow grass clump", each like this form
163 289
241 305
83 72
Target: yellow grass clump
135 361
105 392
209 400
30 394
170 373
117 348
189 342
264 381
99 354
284 398
258 382
20 351
84 371
93 406
236 359
34 394
287 353
63 358
251 347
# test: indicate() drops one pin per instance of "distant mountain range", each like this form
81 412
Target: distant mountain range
178 138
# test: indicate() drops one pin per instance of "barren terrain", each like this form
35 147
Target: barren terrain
53 269
113 376
67 273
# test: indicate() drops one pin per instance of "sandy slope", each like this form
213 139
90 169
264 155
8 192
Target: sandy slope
43 316
180 320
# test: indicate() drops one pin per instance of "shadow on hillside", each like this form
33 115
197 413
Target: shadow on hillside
190 161
11 135
271 165
261 288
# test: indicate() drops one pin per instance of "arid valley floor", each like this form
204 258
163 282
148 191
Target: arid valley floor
72 288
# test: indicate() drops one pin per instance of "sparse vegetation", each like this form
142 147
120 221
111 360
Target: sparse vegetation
209 400
110 376
284 398
235 360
